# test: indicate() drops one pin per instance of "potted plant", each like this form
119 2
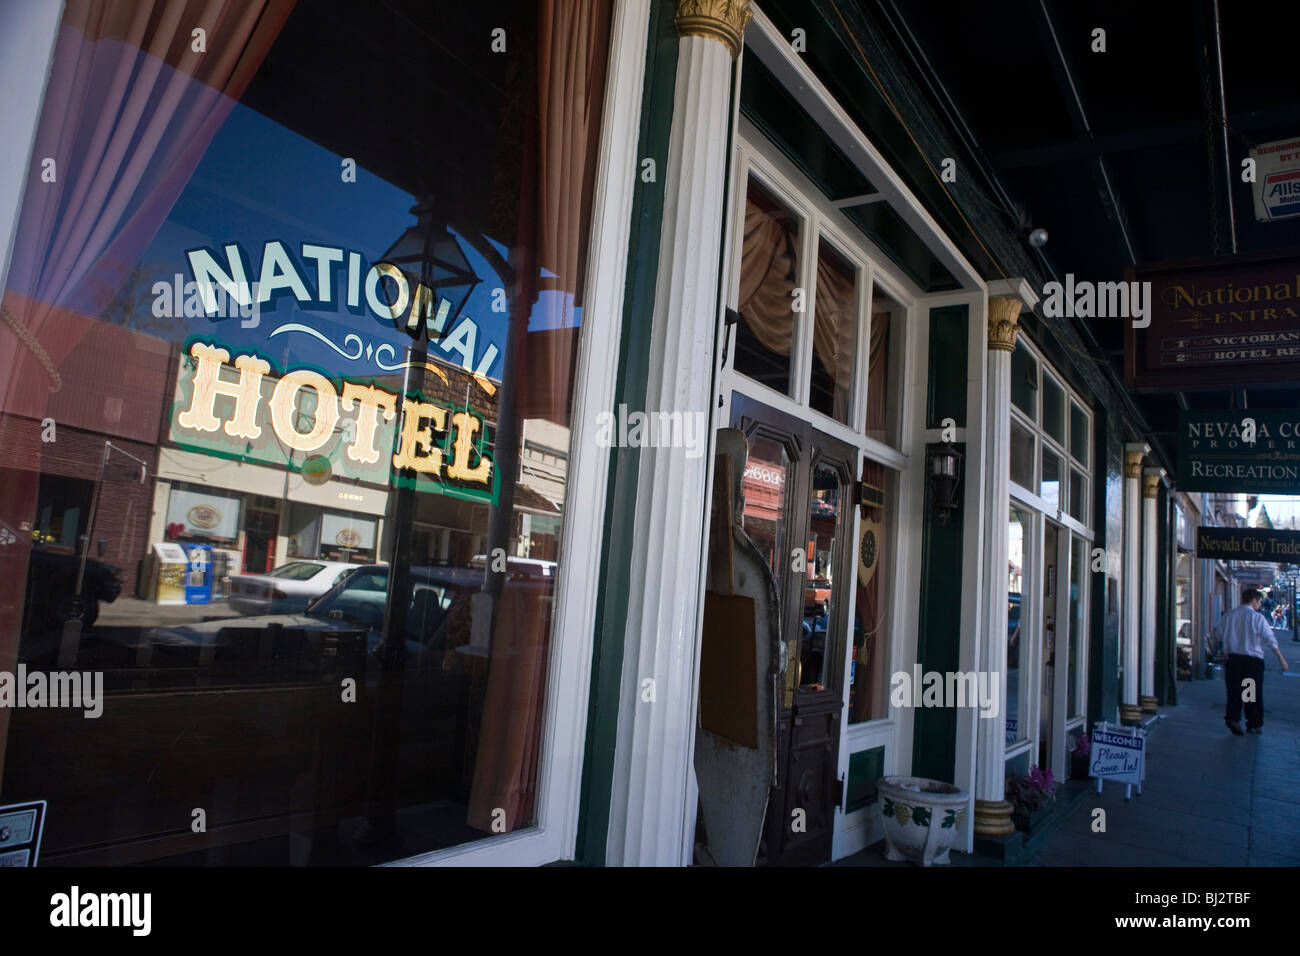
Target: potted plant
1033 797
921 818
1080 748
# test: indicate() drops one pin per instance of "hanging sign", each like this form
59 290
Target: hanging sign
1242 450
1226 321
1248 544
20 833
1277 179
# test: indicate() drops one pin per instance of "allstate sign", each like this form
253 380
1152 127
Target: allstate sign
1277 180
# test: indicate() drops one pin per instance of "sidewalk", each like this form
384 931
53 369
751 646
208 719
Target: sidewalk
1210 798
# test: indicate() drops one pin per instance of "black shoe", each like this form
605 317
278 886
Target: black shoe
1254 730
1233 726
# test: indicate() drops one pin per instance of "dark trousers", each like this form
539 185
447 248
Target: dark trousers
1238 669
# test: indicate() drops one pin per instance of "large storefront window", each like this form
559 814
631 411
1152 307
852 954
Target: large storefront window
286 377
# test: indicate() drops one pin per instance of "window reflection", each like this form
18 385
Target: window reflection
820 586
281 326
1016 675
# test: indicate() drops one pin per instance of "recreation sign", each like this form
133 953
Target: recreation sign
1243 450
1248 544
1226 321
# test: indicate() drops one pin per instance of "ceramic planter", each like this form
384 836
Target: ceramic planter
921 818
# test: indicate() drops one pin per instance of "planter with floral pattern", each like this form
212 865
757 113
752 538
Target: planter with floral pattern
921 818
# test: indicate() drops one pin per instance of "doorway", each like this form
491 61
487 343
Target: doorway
797 487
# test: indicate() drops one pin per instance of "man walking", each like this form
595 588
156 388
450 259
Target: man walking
1244 631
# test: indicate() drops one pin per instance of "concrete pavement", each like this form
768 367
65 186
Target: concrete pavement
1210 798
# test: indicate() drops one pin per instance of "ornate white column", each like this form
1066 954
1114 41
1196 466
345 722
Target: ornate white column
992 811
1150 487
652 803
1130 586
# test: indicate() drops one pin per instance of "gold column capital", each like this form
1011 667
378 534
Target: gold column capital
1004 323
721 20
1150 485
1133 464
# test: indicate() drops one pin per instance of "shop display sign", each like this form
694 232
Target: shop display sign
20 833
346 531
1118 755
1248 544
1242 450
1277 179
203 514
1225 321
231 403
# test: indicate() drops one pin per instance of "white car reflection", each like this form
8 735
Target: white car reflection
289 589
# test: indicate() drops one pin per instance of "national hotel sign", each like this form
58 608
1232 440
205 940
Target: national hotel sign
1229 321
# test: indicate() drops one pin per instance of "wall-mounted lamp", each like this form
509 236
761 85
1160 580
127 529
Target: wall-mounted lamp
945 476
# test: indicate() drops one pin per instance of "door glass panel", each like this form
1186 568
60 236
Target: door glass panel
870 626
764 486
1017 678
769 268
1022 455
1051 490
835 334
821 589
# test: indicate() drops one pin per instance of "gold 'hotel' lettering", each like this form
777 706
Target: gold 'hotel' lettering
421 422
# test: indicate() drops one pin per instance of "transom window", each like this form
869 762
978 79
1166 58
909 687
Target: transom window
1051 436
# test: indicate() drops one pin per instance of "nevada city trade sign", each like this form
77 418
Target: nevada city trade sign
1248 544
1239 450
1226 321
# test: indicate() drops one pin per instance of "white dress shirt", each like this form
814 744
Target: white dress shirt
1243 628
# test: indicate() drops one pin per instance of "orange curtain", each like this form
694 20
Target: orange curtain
878 375
573 40
835 322
768 269
129 110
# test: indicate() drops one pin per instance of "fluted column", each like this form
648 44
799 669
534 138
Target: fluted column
652 801
992 811
1150 487
1130 587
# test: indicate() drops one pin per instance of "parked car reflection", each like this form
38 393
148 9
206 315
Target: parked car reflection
289 589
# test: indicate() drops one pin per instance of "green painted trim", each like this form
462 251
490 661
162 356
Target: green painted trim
950 330
938 641
865 768
620 505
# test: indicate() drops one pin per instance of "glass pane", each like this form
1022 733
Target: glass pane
1049 676
769 270
763 486
1051 490
1024 380
1017 676
1078 496
871 614
300 319
1053 409
821 590
1079 434
835 334
1022 455
882 417
1073 652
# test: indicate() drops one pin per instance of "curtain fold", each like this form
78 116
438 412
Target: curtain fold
878 375
768 268
835 320
573 40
